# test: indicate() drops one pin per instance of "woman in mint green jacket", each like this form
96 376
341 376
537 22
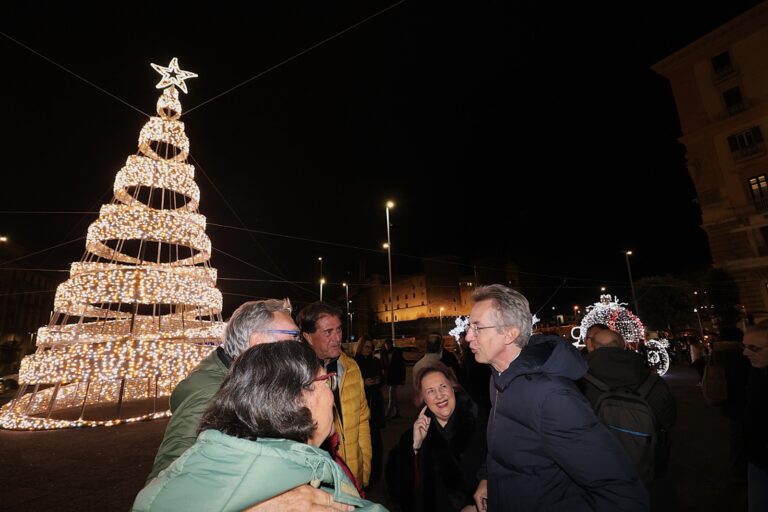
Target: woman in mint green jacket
259 438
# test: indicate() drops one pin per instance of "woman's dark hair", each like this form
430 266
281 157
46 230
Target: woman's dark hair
262 396
436 367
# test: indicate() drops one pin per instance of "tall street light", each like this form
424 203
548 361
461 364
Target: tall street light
441 320
389 205
627 254
701 329
346 293
320 259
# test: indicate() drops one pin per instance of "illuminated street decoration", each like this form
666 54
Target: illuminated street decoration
141 309
610 312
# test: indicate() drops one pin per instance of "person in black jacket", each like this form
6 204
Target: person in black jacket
373 378
546 448
755 348
394 367
434 466
612 364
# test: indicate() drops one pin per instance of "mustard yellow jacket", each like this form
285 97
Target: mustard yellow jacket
355 434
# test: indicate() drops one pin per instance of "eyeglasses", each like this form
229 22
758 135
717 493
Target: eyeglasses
330 378
476 328
294 335
752 348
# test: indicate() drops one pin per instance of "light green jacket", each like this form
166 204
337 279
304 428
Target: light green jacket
225 473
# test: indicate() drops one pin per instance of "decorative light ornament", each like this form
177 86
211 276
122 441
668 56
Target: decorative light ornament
172 75
462 322
609 311
658 358
129 324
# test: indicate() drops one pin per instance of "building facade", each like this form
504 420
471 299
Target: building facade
720 86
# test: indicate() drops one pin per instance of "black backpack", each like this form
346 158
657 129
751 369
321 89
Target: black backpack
627 414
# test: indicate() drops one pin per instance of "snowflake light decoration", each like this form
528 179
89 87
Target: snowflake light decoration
462 322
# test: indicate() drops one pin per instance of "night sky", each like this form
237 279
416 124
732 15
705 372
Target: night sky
508 129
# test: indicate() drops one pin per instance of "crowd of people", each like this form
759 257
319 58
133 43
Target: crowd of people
278 417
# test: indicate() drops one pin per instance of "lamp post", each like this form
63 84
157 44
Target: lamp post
389 205
698 317
441 320
627 254
346 294
320 259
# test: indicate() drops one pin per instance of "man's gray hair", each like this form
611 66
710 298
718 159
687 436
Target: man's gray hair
250 317
511 307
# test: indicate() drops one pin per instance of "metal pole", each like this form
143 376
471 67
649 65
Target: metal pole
120 397
349 327
701 329
627 254
389 262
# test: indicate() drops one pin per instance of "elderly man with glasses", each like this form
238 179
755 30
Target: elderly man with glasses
252 323
755 348
320 325
546 448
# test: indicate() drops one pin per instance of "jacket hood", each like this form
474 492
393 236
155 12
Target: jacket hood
546 354
617 367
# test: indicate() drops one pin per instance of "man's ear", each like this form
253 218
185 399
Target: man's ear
511 334
306 337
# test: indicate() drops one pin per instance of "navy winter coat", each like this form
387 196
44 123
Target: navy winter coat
546 449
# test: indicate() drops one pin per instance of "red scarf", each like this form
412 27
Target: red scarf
331 445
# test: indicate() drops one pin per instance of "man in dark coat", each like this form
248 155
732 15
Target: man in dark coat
756 350
546 448
618 368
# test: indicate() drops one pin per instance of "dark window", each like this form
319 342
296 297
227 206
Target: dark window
734 103
746 143
722 65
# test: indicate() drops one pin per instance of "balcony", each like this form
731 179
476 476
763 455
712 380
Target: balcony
743 152
737 107
761 204
724 71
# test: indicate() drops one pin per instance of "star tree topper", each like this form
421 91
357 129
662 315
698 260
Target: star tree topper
172 75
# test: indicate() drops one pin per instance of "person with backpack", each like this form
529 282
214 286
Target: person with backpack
634 403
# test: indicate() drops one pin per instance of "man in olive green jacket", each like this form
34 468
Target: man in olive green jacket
252 323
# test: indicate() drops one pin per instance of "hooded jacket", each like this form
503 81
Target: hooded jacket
546 448
225 473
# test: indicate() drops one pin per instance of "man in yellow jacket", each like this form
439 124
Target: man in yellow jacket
320 325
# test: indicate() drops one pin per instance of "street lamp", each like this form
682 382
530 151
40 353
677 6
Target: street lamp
346 294
320 259
389 205
441 320
3 238
627 254
701 329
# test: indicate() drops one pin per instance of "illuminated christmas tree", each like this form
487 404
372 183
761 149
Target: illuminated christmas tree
141 308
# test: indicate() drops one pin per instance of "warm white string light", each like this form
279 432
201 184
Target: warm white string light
126 327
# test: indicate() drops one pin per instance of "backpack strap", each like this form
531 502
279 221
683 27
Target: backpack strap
645 388
602 386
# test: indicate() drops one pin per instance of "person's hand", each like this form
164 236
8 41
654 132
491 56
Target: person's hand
304 498
469 508
420 428
481 496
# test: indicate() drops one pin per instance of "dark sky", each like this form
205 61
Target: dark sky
506 129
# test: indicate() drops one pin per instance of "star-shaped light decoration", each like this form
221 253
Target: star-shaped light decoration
172 75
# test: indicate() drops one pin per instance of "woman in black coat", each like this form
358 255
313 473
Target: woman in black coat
373 376
434 466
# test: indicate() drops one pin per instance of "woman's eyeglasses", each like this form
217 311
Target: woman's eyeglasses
331 379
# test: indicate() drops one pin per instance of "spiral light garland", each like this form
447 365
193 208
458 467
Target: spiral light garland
128 326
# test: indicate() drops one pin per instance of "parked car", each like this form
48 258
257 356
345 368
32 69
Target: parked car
9 383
